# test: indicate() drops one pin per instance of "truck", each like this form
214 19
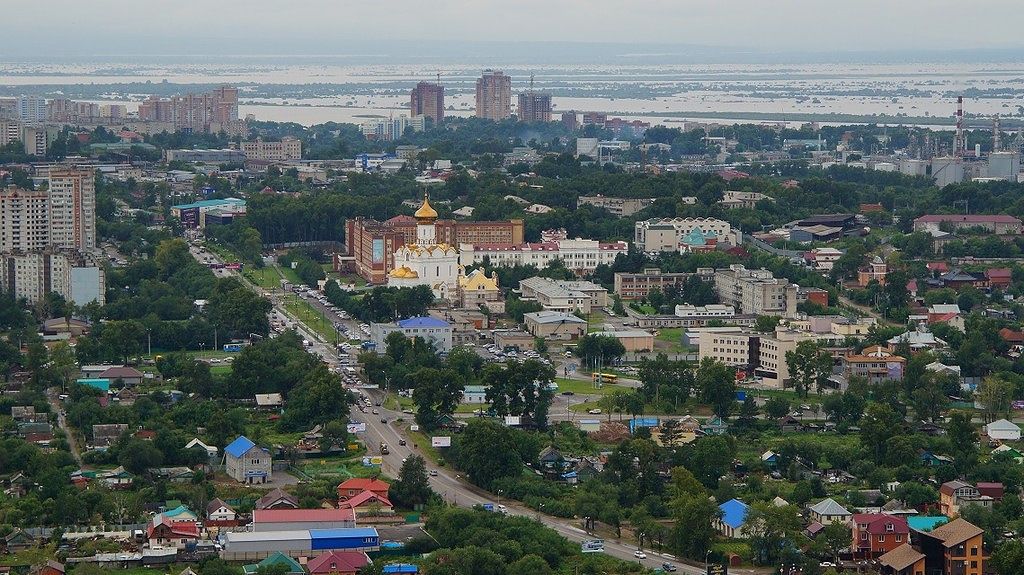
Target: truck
383 448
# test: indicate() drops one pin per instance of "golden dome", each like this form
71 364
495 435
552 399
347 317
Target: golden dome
426 212
404 272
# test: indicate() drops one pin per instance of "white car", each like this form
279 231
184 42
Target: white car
594 412
639 554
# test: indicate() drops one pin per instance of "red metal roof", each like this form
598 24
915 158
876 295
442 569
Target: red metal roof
337 562
301 515
357 500
877 523
364 484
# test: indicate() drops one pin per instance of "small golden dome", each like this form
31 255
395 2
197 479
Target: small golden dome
426 212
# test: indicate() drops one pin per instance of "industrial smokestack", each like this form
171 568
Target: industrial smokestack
960 145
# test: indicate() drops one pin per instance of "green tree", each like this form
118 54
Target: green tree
412 487
879 424
809 367
487 451
776 407
996 396
436 393
717 383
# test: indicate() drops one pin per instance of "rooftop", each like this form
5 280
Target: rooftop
421 322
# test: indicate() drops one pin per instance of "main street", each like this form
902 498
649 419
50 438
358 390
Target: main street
449 485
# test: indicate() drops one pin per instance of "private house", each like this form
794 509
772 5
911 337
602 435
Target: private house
218 511
733 519
166 532
875 363
953 548
715 426
127 375
368 503
933 460
211 451
269 401
277 562
337 563
356 485
551 458
474 394
104 435
770 459
1007 451
18 540
875 534
828 511
1003 430
956 494
51 567
245 462
999 277
277 499
919 339
903 560
789 424
179 474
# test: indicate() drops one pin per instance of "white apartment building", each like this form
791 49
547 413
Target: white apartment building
761 355
76 277
24 219
665 234
756 291
564 296
580 256
288 148
31 108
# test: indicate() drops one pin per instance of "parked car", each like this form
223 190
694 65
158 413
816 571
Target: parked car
639 554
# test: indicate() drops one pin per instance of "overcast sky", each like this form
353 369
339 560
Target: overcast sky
67 27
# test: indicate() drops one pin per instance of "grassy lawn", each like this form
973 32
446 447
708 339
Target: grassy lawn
582 387
289 274
266 278
644 309
422 443
224 253
337 467
670 335
310 317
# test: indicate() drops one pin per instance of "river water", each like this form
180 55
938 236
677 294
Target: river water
316 92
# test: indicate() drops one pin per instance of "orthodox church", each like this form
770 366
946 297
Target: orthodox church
427 262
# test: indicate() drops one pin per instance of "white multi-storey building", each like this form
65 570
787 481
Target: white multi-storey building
31 108
755 291
666 234
32 275
288 148
24 219
580 256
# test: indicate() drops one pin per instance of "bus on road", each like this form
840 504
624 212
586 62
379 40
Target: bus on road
604 377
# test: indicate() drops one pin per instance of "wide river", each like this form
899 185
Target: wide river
315 92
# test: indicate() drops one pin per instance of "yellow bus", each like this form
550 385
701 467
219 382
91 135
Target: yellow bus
603 377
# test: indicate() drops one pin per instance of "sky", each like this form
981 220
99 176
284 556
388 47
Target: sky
284 27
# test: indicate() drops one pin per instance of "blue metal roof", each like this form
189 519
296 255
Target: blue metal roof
424 321
343 532
238 447
927 522
734 513
401 568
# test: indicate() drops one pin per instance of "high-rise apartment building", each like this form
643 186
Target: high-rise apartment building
35 140
493 95
427 100
24 219
72 209
31 108
534 107
31 275
570 121
208 112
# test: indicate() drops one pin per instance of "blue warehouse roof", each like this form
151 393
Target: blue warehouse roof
211 204
343 532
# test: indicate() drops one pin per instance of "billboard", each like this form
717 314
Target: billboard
714 569
356 428
378 251
440 441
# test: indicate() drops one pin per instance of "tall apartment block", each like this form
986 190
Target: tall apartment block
427 100
534 107
494 95
207 112
72 209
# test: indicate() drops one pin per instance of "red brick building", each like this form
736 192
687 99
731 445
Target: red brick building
371 245
875 534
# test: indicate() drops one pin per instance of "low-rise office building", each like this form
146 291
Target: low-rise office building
618 207
555 325
633 286
756 291
579 255
432 330
564 296
667 234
